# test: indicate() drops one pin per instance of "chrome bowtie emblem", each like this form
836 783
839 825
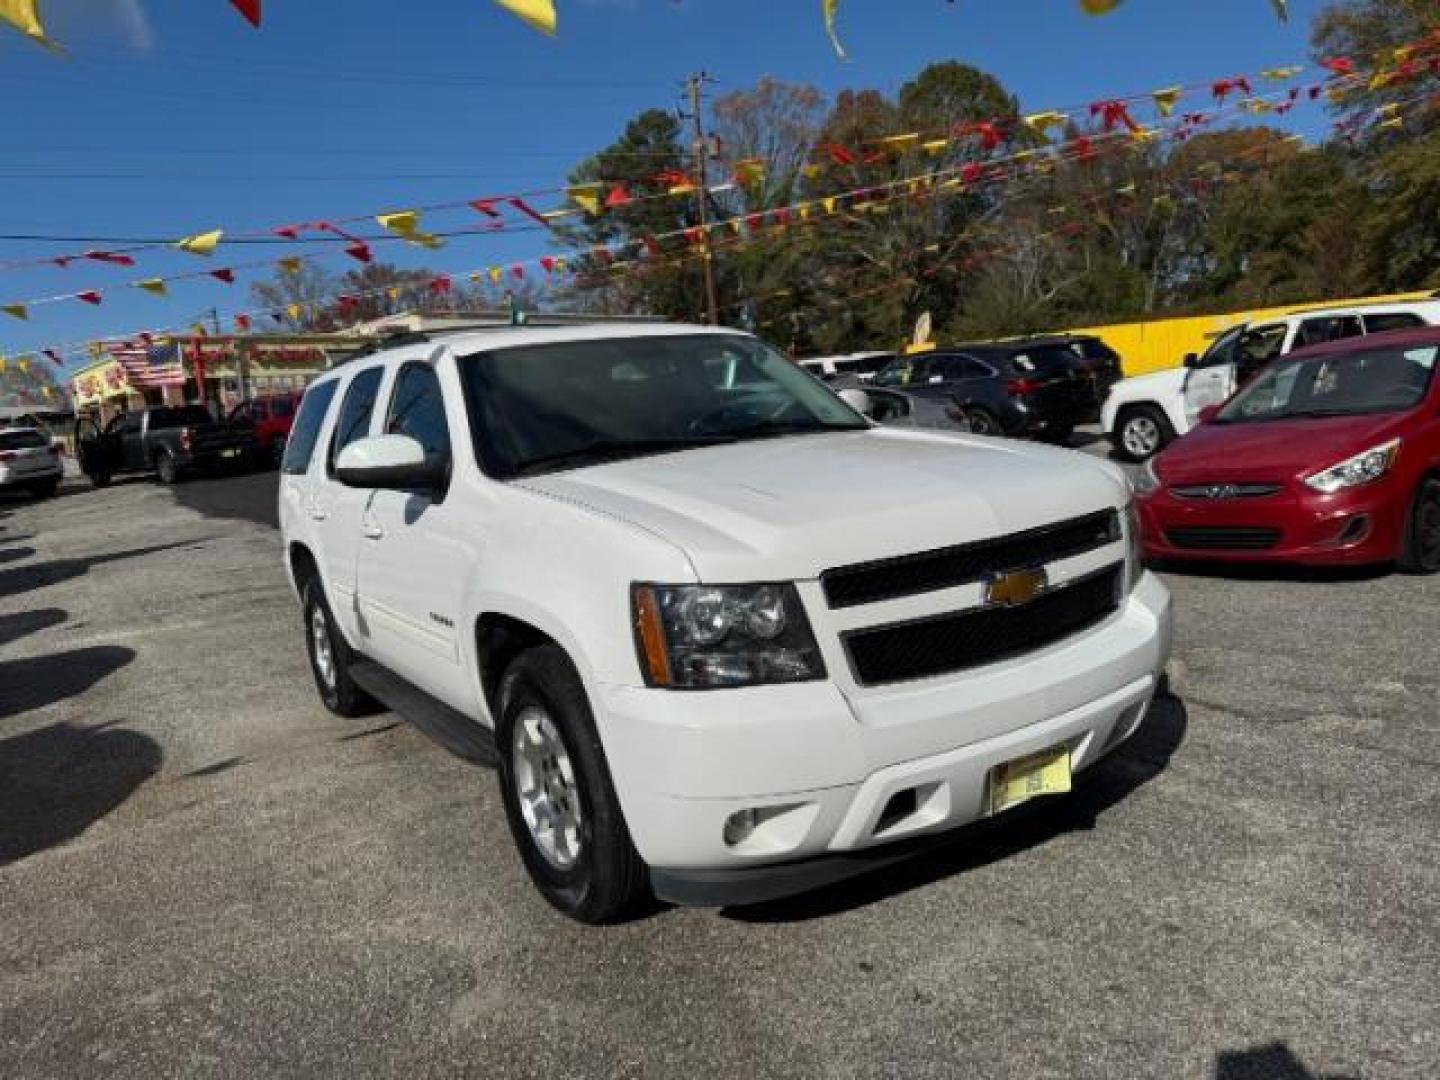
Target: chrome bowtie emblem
1015 587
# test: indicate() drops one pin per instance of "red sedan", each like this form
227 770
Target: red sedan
1329 456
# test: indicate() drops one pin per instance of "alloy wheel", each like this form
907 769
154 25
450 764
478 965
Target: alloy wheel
546 788
320 647
1141 436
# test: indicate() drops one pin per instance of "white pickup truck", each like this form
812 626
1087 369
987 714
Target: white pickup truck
1142 415
724 637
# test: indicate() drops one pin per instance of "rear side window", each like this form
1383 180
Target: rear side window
1049 361
418 410
22 440
1392 320
1328 328
354 420
306 432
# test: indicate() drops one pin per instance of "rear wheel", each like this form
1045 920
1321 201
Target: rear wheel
1421 554
45 490
331 657
1141 432
100 479
558 795
982 421
165 467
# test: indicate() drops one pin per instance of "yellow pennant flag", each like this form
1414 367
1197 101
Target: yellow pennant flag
828 8
901 141
154 285
804 210
22 15
538 13
393 293
2 365
1128 189
16 311
293 311
810 172
935 147
201 243
1144 135
1165 99
1393 122
1042 122
828 203
291 264
94 349
404 222
1280 74
46 391
587 197
24 363
1258 106
1099 7
1381 79
1387 111
495 274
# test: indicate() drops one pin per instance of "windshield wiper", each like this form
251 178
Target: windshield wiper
604 450
767 428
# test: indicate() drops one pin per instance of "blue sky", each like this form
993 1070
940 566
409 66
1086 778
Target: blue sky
171 117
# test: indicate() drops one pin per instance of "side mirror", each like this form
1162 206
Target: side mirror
858 400
392 462
1191 360
1208 413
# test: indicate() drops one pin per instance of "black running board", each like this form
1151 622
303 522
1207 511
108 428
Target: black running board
456 732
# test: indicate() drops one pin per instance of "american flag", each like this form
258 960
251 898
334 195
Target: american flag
150 367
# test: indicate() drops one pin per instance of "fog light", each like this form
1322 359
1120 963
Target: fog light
740 825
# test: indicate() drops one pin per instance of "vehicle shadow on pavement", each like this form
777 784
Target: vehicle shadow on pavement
1273 1062
16 554
14 627
38 681
58 781
253 497
1142 758
20 579
1317 575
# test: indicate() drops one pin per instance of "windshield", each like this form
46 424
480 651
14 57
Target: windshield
574 403
1349 384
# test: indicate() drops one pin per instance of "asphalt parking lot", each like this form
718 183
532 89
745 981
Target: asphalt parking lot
204 873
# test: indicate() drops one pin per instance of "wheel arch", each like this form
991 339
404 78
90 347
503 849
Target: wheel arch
499 639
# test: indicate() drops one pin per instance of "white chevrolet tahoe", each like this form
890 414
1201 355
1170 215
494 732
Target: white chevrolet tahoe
1143 414
724 638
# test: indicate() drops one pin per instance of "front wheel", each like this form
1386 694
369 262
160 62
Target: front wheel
1421 554
1141 432
982 422
331 657
559 799
100 479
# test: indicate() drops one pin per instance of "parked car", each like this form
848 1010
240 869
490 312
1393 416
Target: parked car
1144 414
895 408
170 442
726 639
1331 455
269 420
860 366
1010 388
31 460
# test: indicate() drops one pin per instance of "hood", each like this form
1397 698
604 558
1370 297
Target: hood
790 508
1271 451
1149 387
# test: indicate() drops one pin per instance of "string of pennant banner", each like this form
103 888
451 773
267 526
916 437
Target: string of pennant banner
24 15
406 225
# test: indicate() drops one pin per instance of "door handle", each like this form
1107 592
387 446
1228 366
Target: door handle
371 530
318 513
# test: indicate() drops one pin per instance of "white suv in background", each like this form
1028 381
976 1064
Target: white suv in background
726 638
1144 414
29 459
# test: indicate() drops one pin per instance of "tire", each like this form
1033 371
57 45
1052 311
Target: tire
1141 432
982 421
100 479
166 469
46 490
277 451
552 763
1421 551
331 657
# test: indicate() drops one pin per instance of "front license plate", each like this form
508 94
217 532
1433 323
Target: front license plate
1044 773
230 453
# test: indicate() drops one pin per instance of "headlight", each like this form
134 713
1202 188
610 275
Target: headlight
699 637
1134 547
1147 479
1363 468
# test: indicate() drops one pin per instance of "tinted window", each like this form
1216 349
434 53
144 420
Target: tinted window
281 408
126 424
301 446
1047 361
22 440
354 420
1392 320
1351 384
174 418
418 410
906 371
1327 328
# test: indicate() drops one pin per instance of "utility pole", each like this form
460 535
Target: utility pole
701 148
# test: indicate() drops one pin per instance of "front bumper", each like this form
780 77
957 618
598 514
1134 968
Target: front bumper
1349 528
12 477
824 770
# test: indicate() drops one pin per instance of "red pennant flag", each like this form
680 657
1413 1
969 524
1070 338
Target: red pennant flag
517 271
651 245
970 173
486 207
225 274
618 196
1221 88
289 232
840 155
603 255
242 323
440 285
112 257
347 301
547 263
1339 65
359 250
90 297
250 9
1113 113
147 338
63 261
526 209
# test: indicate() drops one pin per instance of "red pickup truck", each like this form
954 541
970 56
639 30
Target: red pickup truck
270 418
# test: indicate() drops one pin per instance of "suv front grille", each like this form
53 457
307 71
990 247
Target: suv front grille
945 568
941 644
1223 538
